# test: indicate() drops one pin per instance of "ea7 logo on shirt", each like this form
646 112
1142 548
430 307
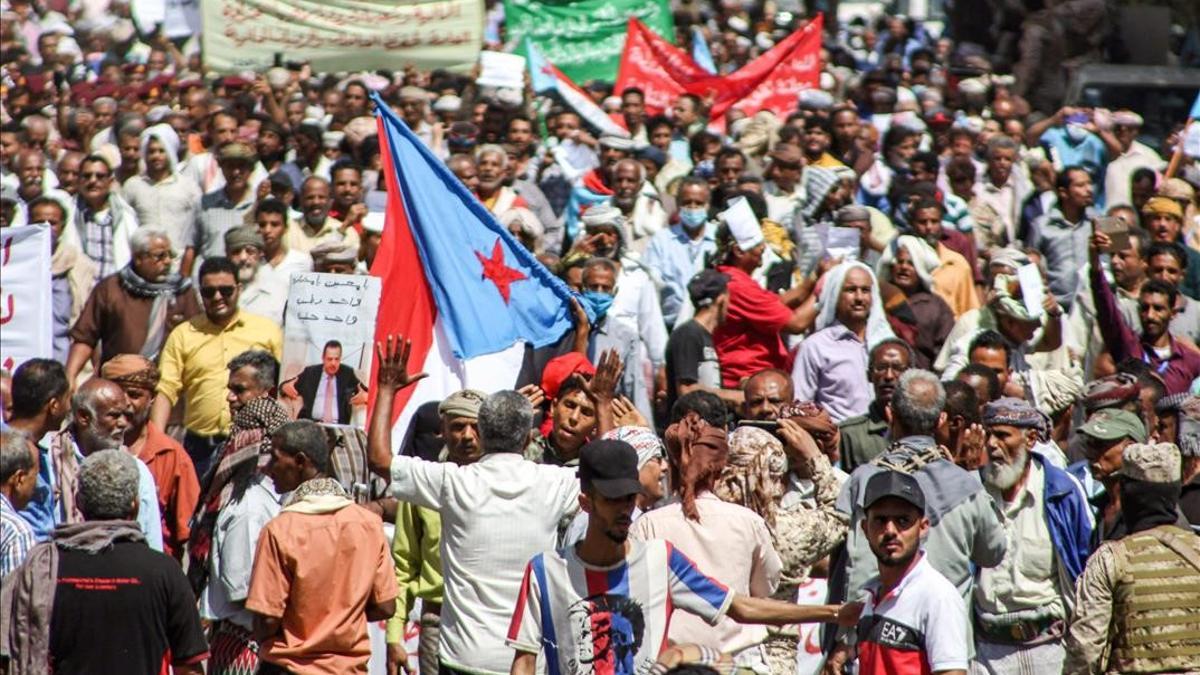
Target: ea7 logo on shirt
886 632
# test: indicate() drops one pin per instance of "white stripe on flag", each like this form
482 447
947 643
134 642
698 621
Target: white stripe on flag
447 374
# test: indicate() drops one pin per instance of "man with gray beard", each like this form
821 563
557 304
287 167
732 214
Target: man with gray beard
98 421
1021 604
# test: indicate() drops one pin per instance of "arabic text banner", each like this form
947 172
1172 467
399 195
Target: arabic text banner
342 35
583 38
26 329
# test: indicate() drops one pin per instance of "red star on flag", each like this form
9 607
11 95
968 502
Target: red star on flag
499 273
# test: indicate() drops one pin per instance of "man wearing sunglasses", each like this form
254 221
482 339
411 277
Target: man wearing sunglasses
103 220
195 358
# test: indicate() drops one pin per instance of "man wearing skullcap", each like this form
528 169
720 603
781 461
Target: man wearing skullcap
413 104
174 474
415 547
1021 604
1128 155
1135 604
1176 363
1119 390
260 293
334 257
226 207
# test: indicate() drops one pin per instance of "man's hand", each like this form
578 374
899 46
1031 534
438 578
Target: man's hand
393 364
972 452
626 415
848 614
1100 243
1051 307
835 663
603 385
354 215
533 394
797 442
397 659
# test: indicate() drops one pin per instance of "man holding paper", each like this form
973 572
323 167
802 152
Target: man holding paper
1177 364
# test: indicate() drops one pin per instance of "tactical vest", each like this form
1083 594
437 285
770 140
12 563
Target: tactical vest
1156 604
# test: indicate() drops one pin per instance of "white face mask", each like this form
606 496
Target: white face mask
1076 132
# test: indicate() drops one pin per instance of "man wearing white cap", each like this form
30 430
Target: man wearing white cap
1130 156
749 340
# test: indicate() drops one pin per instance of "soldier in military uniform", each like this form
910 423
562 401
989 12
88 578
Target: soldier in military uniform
1136 602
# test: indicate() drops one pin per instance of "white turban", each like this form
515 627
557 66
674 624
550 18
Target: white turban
924 258
164 134
878 329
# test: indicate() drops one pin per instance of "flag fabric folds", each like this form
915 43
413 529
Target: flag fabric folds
455 281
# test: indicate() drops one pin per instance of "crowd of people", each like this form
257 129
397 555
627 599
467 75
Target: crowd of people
929 338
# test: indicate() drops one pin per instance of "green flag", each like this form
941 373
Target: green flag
583 38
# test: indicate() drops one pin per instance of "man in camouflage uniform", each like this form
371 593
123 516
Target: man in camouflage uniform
1136 602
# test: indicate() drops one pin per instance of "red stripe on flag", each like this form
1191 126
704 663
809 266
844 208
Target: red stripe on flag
407 305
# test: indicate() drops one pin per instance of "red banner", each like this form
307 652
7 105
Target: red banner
769 82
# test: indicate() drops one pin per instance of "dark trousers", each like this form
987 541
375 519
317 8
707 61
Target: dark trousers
265 668
444 669
201 449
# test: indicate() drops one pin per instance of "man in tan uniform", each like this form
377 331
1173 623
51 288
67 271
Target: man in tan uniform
1135 607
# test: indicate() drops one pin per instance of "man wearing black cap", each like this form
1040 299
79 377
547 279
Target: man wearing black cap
691 357
608 600
913 619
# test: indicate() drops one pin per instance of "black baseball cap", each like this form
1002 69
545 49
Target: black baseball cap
706 287
611 467
894 484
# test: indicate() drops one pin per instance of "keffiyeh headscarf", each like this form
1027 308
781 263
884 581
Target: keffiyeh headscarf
924 258
754 474
878 329
1013 412
245 452
1007 301
698 453
644 441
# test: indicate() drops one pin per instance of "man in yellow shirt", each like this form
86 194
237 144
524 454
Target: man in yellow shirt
195 358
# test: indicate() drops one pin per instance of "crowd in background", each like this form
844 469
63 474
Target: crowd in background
932 332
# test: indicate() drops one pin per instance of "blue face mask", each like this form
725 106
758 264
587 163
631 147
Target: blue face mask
693 218
599 302
705 169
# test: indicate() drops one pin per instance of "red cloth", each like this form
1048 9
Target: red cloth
560 368
176 484
593 181
749 340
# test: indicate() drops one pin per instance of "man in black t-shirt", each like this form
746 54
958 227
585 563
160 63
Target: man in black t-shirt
691 357
118 606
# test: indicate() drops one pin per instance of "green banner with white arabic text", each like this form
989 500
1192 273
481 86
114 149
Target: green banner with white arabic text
583 38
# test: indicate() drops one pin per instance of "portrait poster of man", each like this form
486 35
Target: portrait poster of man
328 327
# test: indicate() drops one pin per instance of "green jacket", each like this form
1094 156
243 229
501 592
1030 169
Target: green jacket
418 563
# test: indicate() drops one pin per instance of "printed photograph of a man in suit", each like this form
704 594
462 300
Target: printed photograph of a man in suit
328 390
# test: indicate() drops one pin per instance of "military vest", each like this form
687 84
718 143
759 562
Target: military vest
1156 603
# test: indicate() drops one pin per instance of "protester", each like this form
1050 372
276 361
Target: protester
174 476
262 291
193 364
1108 631
864 437
321 567
134 310
639 612
18 478
97 583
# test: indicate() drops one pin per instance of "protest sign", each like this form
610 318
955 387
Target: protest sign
583 38
341 35
498 69
26 324
328 333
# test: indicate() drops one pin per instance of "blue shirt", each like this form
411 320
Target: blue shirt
673 258
1090 153
43 513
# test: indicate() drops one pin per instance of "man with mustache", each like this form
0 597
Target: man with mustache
1177 364
1021 604
864 437
98 420
316 226
174 476
913 619
638 201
